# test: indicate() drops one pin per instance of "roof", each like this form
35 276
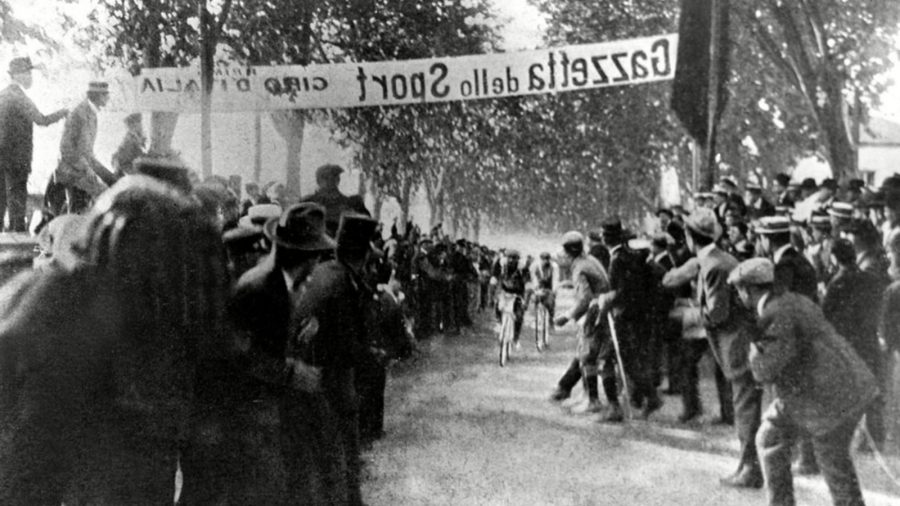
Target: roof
880 131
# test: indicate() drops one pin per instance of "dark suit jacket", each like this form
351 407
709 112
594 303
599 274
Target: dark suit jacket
632 280
819 381
853 306
332 305
794 273
260 310
18 115
336 203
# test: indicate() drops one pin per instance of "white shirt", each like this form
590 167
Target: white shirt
762 303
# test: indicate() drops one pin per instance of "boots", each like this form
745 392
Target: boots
614 415
591 387
567 382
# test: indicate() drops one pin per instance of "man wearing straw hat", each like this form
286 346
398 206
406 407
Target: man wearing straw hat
18 115
79 170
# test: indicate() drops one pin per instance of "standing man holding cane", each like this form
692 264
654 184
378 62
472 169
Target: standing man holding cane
18 115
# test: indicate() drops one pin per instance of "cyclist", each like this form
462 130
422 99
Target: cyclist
511 278
543 275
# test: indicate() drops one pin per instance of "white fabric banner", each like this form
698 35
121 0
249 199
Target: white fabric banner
340 85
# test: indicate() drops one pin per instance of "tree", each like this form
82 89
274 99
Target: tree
831 52
156 33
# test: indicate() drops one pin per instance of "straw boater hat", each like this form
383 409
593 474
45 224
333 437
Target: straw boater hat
841 210
98 87
820 220
773 225
301 227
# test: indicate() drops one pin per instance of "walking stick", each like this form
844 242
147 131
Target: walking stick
615 340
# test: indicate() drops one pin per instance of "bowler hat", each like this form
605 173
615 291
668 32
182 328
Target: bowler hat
755 271
665 210
328 169
829 183
703 221
783 179
98 87
355 232
300 227
774 225
19 65
612 229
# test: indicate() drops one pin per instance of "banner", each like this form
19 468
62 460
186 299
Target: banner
568 68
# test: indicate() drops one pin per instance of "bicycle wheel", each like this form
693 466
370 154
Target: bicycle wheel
505 338
542 327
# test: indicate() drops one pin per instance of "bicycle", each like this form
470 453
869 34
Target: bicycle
541 321
506 303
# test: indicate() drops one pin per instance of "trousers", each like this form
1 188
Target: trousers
778 434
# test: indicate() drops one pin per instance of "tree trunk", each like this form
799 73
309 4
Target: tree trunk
290 125
207 48
841 151
404 201
377 201
257 143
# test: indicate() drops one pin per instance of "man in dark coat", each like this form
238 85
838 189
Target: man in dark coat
758 205
793 272
820 385
852 304
331 320
329 196
79 170
282 400
630 280
18 115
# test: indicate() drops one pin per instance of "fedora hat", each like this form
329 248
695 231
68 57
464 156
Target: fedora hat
703 222
774 225
20 65
300 227
355 232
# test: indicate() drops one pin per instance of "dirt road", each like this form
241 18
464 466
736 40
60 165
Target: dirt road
462 430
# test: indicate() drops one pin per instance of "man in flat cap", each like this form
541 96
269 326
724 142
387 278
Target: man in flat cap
821 387
79 170
132 146
329 196
18 115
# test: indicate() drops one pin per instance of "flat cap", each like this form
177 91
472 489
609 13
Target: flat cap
756 271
